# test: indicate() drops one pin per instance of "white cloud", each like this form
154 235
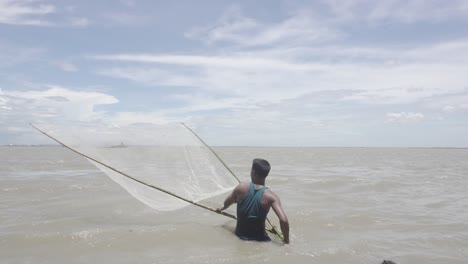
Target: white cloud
205 102
54 104
65 66
126 118
404 11
128 3
292 123
25 12
37 13
452 51
79 22
278 81
404 117
297 82
448 109
125 19
234 61
271 78
234 27
3 102
61 106
302 73
449 103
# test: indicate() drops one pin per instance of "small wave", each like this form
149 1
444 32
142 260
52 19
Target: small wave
10 189
55 162
47 190
279 179
76 187
85 234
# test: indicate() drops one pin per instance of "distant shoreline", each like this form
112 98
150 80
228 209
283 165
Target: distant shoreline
57 145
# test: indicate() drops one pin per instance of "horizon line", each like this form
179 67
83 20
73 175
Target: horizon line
258 146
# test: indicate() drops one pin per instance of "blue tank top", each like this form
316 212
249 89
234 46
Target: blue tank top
251 216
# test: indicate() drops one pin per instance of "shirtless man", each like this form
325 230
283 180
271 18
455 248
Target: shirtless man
254 200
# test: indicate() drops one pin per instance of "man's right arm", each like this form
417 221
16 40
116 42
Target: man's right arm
284 223
232 198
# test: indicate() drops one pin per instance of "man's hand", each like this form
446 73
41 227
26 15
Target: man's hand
218 210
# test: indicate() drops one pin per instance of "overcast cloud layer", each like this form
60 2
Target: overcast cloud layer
273 73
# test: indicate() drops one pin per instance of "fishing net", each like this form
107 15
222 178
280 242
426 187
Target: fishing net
140 157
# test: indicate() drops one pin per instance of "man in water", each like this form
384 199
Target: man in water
254 200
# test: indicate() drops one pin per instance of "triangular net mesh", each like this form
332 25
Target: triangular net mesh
168 156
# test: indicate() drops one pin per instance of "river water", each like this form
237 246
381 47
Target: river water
345 205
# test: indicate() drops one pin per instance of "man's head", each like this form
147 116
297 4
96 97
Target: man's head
260 168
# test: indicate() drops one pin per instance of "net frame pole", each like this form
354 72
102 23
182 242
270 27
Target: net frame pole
134 179
274 230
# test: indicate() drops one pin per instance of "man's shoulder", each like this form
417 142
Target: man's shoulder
242 186
270 194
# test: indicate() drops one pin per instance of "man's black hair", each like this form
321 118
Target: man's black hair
261 167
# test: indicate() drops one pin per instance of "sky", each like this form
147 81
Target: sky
347 73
